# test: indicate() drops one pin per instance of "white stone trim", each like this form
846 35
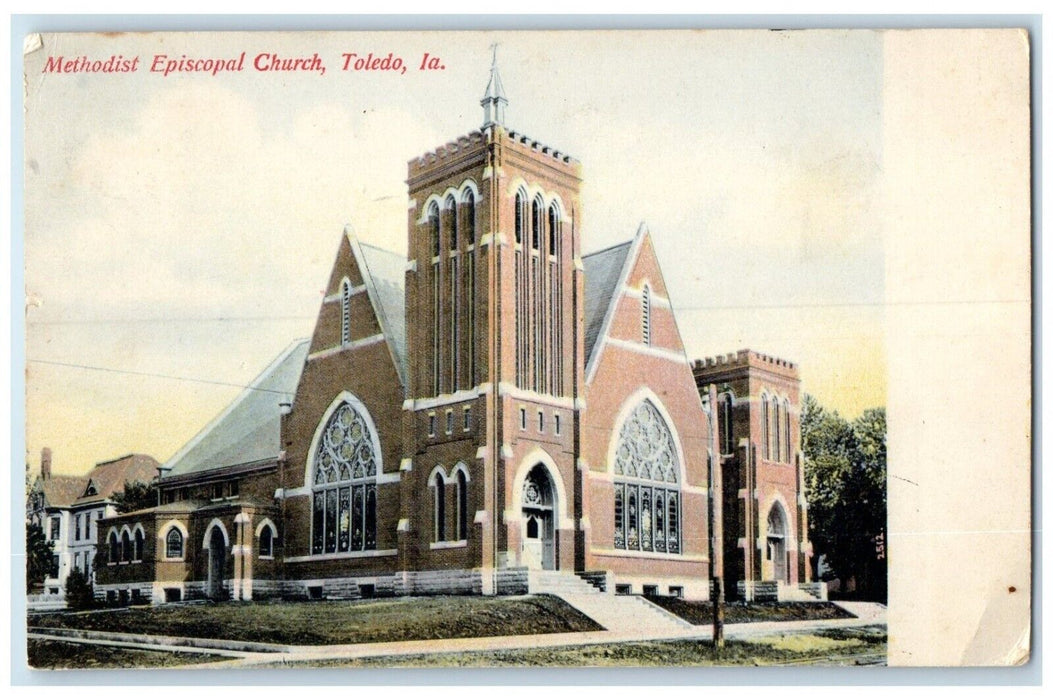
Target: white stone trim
438 470
633 554
162 537
388 478
354 345
241 549
215 522
532 458
363 554
352 291
656 299
403 525
266 522
449 544
356 403
440 400
406 465
608 314
293 493
510 390
649 350
644 393
481 516
460 467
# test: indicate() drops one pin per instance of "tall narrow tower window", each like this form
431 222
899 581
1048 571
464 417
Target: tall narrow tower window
469 216
553 227
440 508
345 312
776 431
451 204
433 228
765 427
645 313
519 218
787 456
535 241
726 440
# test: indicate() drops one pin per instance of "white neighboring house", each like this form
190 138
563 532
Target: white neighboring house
68 509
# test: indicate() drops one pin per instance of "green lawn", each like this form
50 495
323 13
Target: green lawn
331 622
835 647
47 654
701 612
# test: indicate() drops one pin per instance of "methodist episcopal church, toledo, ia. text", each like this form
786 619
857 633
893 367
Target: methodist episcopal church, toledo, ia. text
493 413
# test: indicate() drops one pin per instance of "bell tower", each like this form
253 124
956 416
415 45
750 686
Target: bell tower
494 313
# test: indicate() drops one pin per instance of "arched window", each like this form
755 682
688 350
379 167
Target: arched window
345 312
440 508
126 546
137 554
469 216
451 204
115 549
777 438
727 445
174 544
787 452
776 453
462 505
433 228
519 217
266 541
765 428
646 486
553 228
535 229
645 313
345 474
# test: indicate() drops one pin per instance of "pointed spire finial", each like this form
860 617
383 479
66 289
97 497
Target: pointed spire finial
494 100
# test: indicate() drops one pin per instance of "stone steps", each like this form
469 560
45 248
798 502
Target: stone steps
628 614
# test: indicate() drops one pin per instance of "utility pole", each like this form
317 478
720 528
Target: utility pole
716 518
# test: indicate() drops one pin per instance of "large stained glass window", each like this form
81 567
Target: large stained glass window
344 514
646 486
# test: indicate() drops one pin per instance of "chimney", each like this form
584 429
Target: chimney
45 463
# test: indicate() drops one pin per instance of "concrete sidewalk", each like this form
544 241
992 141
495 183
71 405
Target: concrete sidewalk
252 654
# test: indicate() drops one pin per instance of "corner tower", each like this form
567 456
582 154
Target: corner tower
494 318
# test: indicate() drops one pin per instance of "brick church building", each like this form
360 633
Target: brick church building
492 413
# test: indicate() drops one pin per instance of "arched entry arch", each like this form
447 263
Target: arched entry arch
539 507
215 544
777 532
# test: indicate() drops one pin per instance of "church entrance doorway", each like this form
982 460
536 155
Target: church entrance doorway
777 542
539 528
217 549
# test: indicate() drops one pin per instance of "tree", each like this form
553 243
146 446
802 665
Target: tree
80 594
845 468
39 557
136 495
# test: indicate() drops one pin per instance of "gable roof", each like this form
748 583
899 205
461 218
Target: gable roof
603 273
384 273
109 477
249 429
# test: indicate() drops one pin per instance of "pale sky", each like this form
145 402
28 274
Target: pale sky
185 226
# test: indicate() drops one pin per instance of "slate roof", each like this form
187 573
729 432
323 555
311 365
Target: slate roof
603 270
60 489
385 276
249 429
109 477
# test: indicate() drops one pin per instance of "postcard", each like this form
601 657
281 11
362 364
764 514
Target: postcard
548 348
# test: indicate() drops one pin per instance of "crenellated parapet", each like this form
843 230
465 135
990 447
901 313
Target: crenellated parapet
745 358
